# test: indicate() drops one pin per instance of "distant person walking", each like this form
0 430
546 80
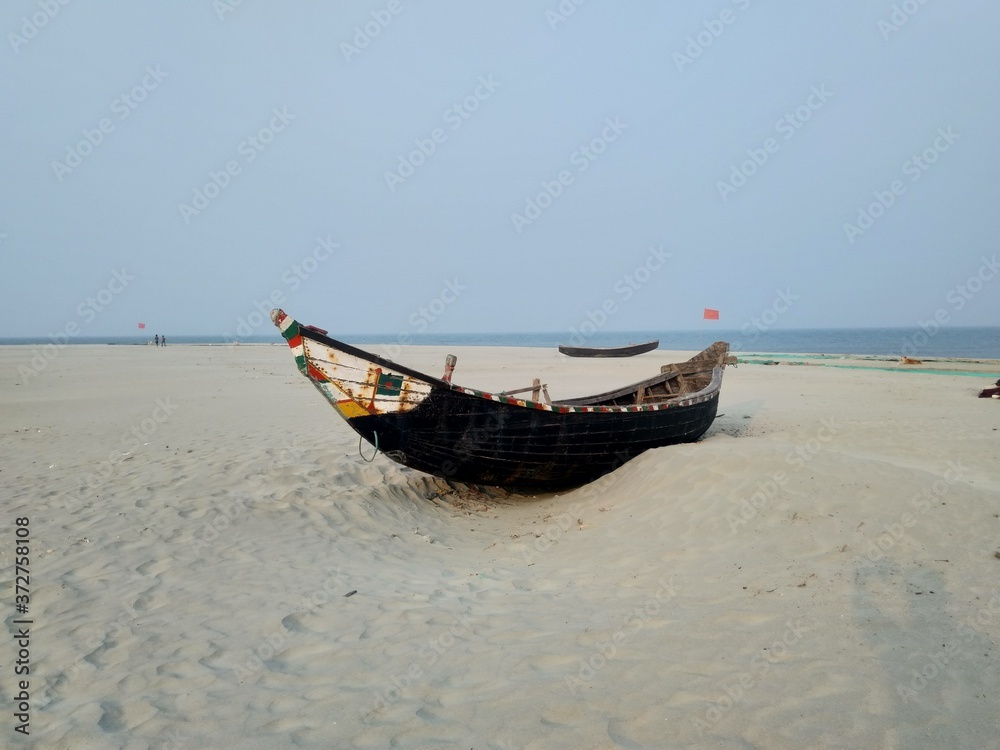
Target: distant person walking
156 339
163 340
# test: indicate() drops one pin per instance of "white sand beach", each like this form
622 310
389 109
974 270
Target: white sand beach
213 564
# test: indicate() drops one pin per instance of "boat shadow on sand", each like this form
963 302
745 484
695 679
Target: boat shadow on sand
932 669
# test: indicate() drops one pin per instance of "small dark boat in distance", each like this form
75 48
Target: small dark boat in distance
609 351
500 438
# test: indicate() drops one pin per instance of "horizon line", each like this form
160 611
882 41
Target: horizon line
702 330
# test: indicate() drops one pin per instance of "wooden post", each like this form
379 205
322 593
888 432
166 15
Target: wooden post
536 389
449 367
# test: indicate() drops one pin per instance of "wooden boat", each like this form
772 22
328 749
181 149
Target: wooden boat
499 439
609 351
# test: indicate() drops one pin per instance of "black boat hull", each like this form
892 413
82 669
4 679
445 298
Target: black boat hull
452 435
617 351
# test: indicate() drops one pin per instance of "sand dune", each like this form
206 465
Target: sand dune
215 565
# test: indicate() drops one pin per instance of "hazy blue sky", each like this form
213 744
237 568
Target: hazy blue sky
399 166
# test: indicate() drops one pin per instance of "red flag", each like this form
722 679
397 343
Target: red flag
711 314
142 325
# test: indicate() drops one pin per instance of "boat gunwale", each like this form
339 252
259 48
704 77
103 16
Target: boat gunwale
560 407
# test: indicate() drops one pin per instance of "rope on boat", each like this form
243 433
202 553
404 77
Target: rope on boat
369 460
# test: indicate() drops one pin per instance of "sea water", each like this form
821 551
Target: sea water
966 343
